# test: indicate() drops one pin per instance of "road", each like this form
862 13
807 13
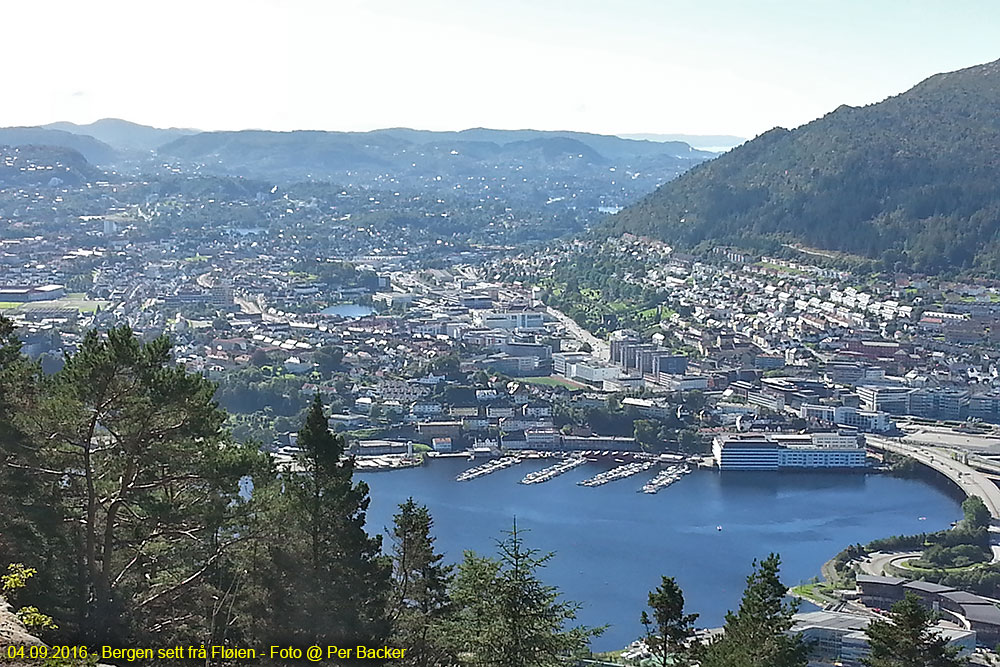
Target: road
971 481
600 349
876 561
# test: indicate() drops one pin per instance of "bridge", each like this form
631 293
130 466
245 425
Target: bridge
971 481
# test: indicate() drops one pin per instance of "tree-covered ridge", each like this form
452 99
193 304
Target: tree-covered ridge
35 165
311 153
910 181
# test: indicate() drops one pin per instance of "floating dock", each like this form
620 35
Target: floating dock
554 471
665 478
487 468
618 472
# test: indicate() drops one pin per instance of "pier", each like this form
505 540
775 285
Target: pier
554 471
487 468
618 472
665 478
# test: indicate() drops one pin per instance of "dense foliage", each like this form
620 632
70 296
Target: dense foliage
131 489
758 633
908 181
669 631
510 617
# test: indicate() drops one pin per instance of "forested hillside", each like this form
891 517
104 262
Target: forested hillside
910 181
31 165
123 135
96 152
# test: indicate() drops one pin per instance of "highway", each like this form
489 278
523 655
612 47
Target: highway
600 349
970 480
875 562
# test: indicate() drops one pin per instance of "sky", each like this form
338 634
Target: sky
610 66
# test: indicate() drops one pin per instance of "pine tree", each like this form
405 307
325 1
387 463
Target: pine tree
329 582
907 640
31 519
420 600
138 465
507 617
758 634
670 630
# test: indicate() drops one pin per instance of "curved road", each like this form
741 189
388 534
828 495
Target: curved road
875 562
971 481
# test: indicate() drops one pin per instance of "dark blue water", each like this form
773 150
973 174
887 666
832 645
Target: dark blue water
613 544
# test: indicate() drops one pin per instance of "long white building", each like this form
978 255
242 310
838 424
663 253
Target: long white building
766 451
513 319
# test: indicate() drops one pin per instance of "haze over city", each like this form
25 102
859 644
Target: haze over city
636 66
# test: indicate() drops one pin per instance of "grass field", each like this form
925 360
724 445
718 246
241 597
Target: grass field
77 300
911 565
820 593
554 382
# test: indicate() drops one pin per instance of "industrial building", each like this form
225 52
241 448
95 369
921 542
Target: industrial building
838 638
974 612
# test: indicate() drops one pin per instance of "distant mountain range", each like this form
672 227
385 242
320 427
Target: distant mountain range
318 155
911 181
400 151
123 135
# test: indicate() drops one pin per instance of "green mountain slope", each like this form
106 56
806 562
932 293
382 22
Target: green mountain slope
52 166
96 152
911 181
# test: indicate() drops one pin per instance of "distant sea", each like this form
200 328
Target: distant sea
612 544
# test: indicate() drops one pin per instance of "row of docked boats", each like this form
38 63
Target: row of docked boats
487 468
618 472
544 475
665 478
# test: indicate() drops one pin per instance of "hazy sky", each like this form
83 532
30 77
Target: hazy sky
612 66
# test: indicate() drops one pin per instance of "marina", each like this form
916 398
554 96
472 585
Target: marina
545 474
617 473
665 478
487 468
